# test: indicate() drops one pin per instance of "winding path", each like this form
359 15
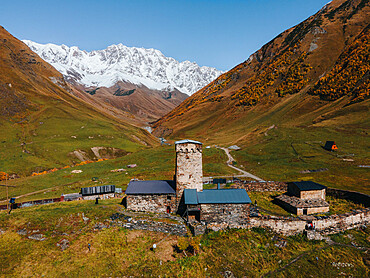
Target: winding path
244 173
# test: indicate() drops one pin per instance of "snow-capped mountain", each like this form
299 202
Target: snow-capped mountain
139 66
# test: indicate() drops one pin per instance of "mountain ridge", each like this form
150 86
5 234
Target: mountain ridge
139 66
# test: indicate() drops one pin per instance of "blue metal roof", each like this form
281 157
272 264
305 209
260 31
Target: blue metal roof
187 141
308 185
216 196
150 187
190 197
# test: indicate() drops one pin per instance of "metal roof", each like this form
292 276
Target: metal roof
216 196
190 197
187 141
150 187
308 185
96 190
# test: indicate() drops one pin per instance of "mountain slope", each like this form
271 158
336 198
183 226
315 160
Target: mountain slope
308 85
143 104
298 60
43 123
139 66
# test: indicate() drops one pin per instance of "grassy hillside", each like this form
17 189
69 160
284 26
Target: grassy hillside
42 121
117 252
308 85
154 163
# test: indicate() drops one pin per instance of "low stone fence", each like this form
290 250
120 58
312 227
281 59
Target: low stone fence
295 225
356 197
262 186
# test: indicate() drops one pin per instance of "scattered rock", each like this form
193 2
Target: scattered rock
314 235
318 30
281 244
22 232
118 170
39 237
76 171
63 244
314 171
313 46
100 226
85 218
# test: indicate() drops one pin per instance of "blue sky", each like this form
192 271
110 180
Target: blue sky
215 33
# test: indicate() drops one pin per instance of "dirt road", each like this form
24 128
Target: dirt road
244 173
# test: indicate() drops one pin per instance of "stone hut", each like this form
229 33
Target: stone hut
306 190
151 196
304 197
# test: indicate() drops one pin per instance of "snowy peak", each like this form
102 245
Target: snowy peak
139 66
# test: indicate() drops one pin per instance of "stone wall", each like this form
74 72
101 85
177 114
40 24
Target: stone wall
262 186
189 172
296 225
317 210
151 203
313 194
101 196
224 213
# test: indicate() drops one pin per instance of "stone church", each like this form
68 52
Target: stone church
185 195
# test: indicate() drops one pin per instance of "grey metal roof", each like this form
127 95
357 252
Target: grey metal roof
150 187
308 185
187 141
216 196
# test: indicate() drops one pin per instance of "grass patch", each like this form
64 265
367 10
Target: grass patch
115 251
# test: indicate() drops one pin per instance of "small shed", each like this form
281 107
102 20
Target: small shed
330 146
153 196
306 190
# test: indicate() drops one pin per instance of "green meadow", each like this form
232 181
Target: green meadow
154 163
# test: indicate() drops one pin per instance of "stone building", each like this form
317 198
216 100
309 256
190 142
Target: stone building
185 195
217 205
306 190
304 197
151 196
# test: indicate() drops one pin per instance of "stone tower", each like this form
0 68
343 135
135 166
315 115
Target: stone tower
189 172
